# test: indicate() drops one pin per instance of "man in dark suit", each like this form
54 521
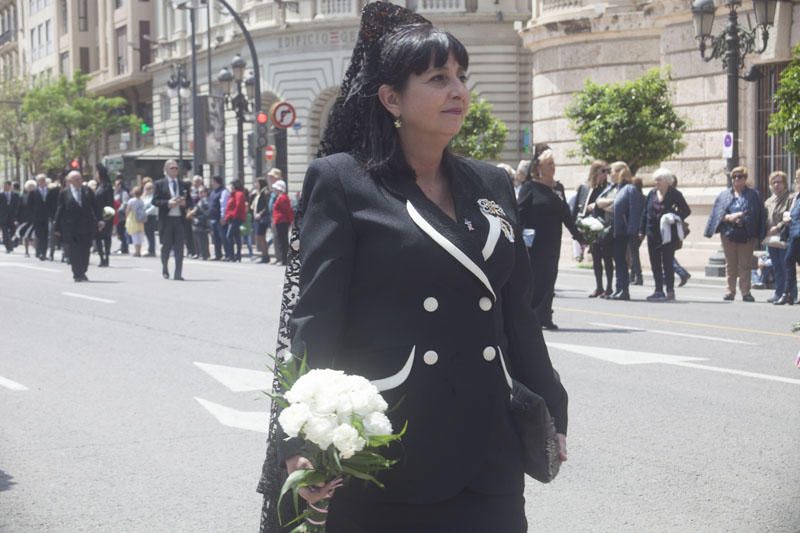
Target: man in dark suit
171 196
41 202
9 207
76 221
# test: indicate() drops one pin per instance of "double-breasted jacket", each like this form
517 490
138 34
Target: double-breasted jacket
435 312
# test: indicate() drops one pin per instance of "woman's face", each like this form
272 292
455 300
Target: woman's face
776 185
662 185
601 178
739 181
616 174
434 103
547 169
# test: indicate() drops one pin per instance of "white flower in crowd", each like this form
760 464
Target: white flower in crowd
377 424
293 418
347 441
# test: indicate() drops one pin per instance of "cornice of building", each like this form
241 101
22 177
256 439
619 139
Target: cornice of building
101 85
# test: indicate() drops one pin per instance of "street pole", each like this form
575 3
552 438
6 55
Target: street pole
732 41
180 130
240 110
195 122
258 161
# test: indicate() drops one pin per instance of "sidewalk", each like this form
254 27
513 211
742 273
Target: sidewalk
698 276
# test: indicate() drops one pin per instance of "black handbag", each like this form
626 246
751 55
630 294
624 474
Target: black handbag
537 431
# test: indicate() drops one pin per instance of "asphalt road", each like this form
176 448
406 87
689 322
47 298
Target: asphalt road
133 404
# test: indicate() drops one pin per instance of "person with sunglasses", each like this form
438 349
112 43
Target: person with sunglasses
738 217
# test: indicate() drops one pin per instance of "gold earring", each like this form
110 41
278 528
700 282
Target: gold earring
397 123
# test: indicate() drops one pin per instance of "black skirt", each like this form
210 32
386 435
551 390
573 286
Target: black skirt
467 512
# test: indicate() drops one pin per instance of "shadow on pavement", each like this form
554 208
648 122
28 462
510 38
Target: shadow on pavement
593 330
5 481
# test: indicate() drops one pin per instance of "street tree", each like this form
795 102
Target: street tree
483 135
787 99
632 121
72 120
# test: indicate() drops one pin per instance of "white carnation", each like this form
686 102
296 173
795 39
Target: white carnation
347 441
293 417
377 403
377 424
319 430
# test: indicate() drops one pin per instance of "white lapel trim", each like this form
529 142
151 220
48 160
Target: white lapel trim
449 247
493 237
398 379
505 370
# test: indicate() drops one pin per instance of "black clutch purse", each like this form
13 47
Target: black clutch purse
537 431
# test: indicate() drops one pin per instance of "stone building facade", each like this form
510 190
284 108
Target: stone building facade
303 56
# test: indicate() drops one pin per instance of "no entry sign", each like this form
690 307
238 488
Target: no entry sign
269 153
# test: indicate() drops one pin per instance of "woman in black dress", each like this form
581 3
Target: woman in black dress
414 275
602 257
544 211
104 197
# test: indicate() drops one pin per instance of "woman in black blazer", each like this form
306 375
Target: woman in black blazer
104 197
663 200
413 274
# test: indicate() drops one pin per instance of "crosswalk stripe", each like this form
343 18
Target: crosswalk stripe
249 420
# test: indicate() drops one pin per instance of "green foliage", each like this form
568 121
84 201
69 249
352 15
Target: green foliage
632 121
483 135
72 121
787 98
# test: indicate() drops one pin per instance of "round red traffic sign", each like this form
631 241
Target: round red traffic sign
283 114
269 153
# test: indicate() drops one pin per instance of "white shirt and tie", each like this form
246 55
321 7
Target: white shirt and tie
76 193
175 190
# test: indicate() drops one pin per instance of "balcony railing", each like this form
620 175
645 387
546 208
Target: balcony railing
441 6
548 6
337 8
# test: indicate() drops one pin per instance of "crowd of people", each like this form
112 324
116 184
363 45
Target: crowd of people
610 216
204 221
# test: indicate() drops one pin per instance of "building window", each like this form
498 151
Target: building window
122 50
144 43
64 17
34 48
85 67
49 36
83 15
64 60
166 111
771 152
118 3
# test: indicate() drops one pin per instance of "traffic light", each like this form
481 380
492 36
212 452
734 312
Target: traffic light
262 130
74 164
145 128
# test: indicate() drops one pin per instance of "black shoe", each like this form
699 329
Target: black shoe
621 295
729 297
684 279
178 278
657 296
785 299
773 299
749 298
549 325
165 274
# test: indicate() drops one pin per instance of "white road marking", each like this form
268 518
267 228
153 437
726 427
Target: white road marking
13 385
92 298
622 357
238 379
29 267
673 333
627 357
251 421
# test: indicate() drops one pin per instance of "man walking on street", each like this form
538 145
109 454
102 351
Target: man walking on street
76 222
9 207
171 197
40 207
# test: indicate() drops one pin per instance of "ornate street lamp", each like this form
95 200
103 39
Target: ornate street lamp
178 86
238 101
732 45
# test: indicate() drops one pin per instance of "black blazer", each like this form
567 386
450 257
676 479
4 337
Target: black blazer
424 306
674 202
41 209
542 209
74 220
162 195
9 210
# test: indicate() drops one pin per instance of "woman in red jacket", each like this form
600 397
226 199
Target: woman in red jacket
282 218
235 216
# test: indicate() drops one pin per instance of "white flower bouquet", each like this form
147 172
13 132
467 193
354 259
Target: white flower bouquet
592 228
342 422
